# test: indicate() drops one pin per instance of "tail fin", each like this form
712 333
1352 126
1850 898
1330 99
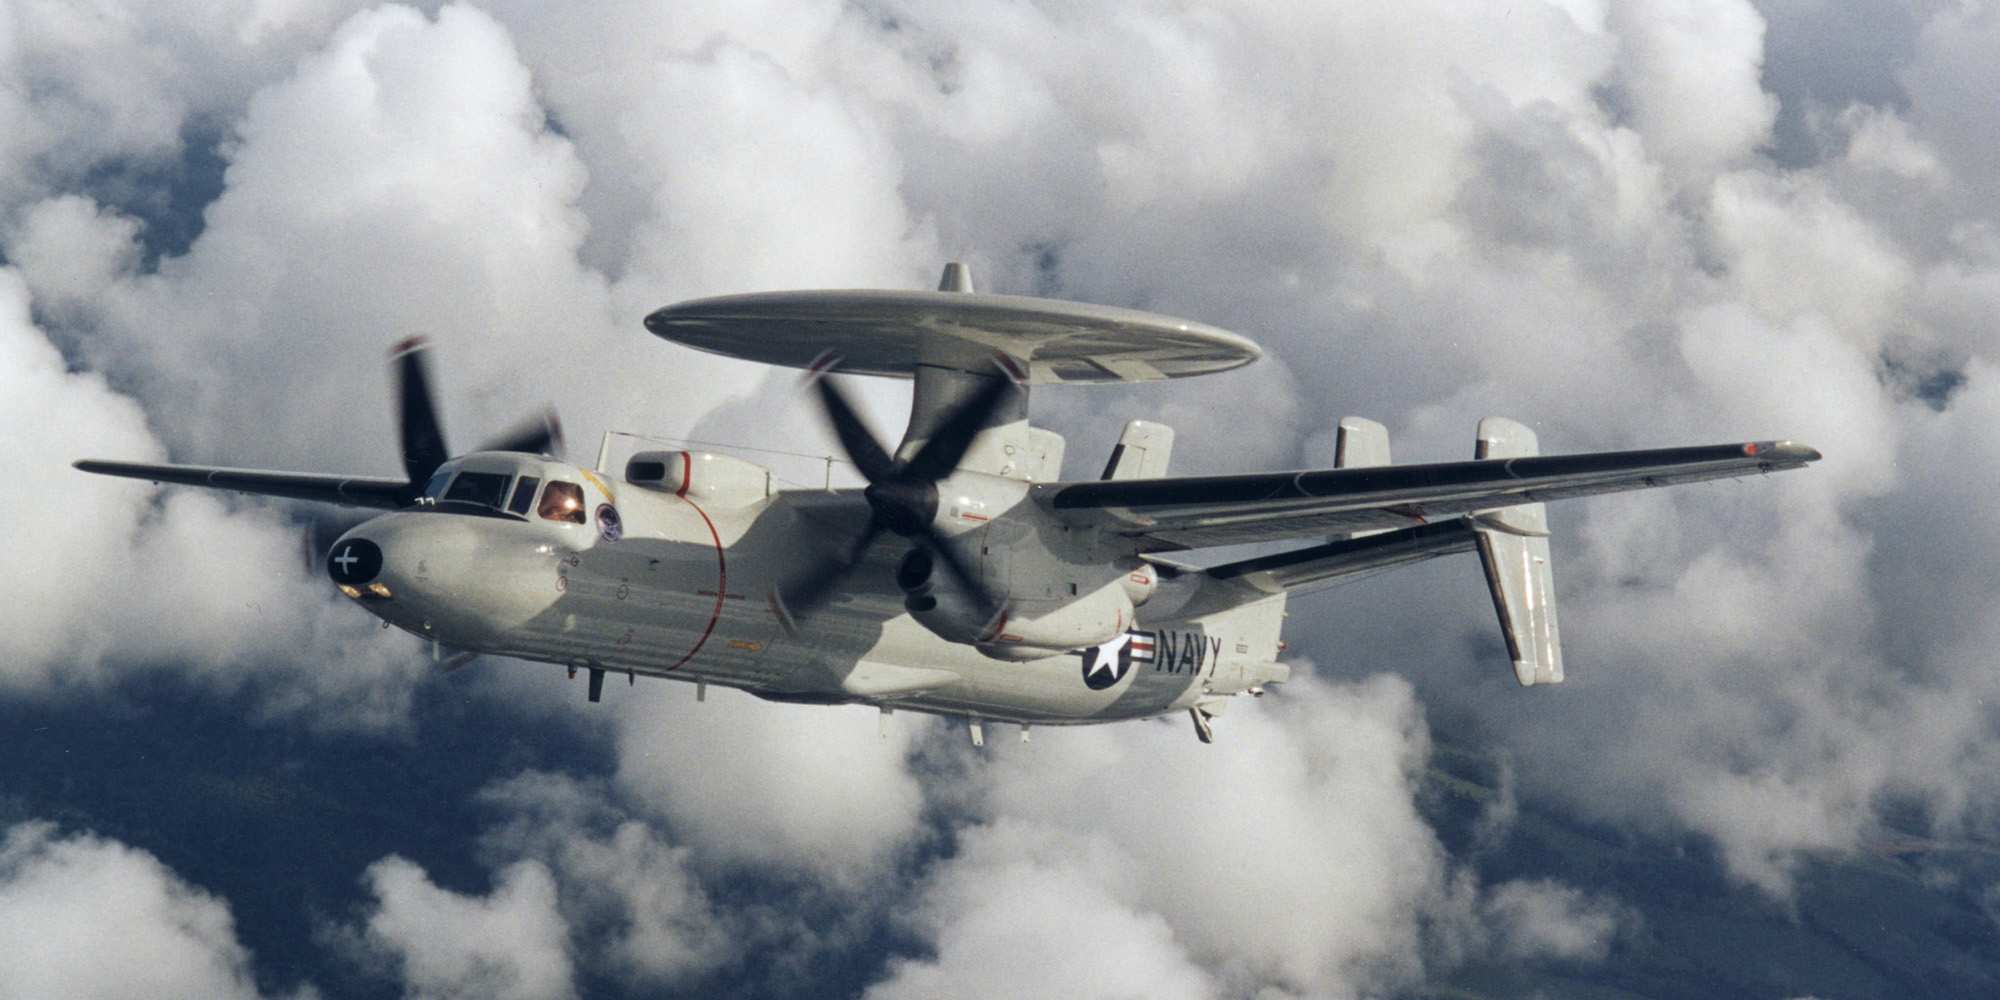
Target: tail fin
1360 443
1514 546
1142 452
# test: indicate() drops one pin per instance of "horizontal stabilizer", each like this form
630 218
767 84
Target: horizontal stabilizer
1350 559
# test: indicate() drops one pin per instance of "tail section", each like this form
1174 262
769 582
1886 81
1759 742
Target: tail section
1360 443
1514 547
1142 452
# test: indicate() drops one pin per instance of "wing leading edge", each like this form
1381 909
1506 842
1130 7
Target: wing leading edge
351 491
1228 510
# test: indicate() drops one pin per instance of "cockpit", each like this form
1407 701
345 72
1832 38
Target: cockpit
482 484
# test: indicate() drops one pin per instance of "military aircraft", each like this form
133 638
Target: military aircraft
966 579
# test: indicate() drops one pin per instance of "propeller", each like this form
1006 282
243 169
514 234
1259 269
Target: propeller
421 436
902 495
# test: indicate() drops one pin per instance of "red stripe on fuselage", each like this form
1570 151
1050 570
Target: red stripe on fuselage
721 584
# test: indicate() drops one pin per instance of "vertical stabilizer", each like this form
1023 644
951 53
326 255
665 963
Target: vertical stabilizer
1141 452
1514 547
1360 444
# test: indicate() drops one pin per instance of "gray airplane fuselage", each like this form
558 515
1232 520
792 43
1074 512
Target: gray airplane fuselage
666 583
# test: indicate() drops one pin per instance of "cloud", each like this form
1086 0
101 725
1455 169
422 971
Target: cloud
627 892
84 916
802 788
1024 913
407 158
1288 853
106 96
1543 919
114 585
511 944
1691 71
1593 217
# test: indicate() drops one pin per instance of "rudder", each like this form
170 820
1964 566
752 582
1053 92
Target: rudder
1514 548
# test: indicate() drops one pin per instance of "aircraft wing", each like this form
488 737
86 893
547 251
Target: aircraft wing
1261 507
350 491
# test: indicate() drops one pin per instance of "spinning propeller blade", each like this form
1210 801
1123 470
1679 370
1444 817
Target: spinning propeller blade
949 442
855 439
422 434
903 496
537 435
416 419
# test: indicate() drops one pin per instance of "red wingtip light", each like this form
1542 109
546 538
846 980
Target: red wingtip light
1750 449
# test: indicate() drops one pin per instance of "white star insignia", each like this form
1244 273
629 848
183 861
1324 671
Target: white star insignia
1105 657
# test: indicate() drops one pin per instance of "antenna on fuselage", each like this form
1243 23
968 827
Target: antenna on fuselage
957 278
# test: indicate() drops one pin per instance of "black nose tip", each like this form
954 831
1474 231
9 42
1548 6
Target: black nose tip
354 561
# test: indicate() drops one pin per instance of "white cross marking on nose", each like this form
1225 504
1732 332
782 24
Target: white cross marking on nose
347 559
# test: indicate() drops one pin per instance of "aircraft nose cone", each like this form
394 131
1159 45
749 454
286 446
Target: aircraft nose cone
354 561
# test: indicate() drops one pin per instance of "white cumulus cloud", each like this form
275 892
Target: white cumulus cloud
82 917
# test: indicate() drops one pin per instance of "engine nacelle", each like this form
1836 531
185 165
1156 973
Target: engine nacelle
938 604
1140 582
1097 617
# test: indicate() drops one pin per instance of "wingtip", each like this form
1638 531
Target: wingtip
1782 452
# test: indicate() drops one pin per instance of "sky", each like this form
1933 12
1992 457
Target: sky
1626 224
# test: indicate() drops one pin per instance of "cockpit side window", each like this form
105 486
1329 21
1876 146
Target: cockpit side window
487 489
524 495
562 502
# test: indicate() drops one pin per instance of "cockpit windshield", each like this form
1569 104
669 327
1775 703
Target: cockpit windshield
487 489
507 492
524 495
